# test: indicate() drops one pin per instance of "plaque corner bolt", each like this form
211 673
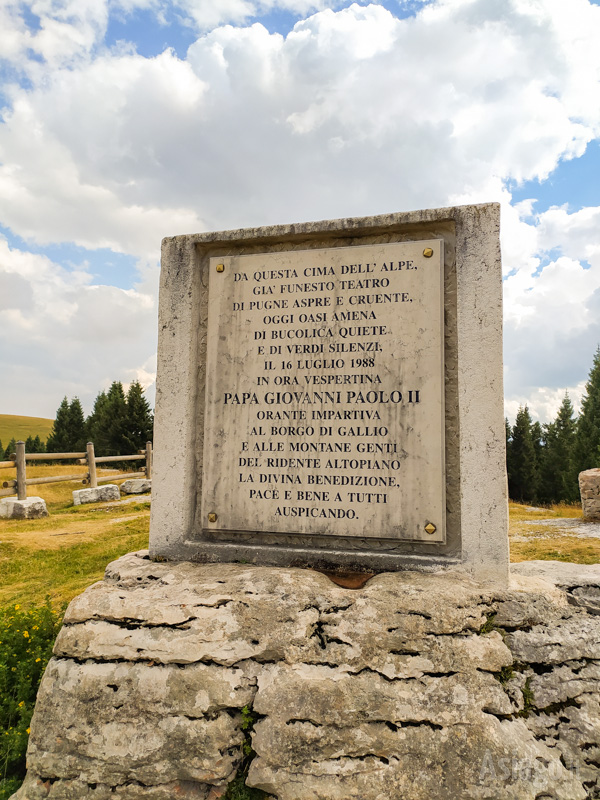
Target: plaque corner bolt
430 528
428 252
212 517
220 267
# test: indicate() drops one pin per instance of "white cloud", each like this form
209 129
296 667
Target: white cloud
77 158
66 32
544 402
552 317
354 112
208 14
68 336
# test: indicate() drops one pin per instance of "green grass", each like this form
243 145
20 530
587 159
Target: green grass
16 427
56 557
60 555
29 575
26 640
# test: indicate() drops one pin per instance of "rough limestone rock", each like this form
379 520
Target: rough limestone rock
580 582
30 508
414 687
136 486
110 491
589 488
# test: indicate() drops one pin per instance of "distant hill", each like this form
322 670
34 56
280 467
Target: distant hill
22 427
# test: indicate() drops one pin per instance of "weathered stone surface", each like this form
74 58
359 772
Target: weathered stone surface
587 597
35 788
473 431
561 573
135 722
580 582
492 759
30 508
589 488
136 486
110 491
567 640
414 686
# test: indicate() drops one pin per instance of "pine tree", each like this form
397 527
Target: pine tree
566 429
58 441
94 424
39 446
1 451
107 425
508 448
586 453
139 419
523 478
10 448
77 430
116 411
537 436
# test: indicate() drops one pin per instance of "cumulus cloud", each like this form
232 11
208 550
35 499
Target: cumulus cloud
67 335
353 112
209 14
552 312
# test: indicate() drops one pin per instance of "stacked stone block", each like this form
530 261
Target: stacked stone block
419 686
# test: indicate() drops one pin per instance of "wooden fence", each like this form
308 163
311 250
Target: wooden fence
20 459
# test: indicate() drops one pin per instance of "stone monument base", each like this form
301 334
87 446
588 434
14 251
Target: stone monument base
417 686
30 508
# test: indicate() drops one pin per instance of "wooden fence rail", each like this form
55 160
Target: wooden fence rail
20 459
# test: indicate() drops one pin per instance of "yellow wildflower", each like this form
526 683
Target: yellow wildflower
26 634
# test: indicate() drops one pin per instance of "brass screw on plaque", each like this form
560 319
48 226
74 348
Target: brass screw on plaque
212 517
220 267
428 252
430 527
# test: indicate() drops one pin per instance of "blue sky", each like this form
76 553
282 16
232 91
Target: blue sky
123 121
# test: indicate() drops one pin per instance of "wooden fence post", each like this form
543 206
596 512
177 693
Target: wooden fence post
91 460
148 460
21 471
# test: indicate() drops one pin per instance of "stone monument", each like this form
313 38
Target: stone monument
330 395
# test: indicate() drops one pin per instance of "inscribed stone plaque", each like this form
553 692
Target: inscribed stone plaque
325 392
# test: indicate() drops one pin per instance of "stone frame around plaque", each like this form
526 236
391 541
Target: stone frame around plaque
475 473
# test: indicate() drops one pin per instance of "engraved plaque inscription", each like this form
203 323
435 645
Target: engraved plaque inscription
324 407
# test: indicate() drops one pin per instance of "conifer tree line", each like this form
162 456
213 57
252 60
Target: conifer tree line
120 424
543 461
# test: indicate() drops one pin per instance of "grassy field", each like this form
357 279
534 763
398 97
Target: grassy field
60 555
547 539
12 426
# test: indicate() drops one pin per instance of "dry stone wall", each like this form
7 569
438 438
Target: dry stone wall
417 686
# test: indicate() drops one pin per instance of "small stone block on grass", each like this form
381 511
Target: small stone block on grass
98 495
136 486
589 487
30 508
